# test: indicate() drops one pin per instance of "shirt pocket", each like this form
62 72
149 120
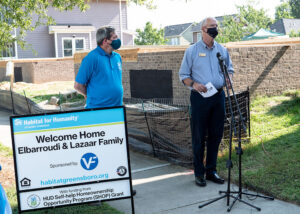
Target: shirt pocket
201 62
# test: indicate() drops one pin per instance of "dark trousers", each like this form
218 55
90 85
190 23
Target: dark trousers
207 124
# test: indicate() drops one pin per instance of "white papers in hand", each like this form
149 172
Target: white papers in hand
211 90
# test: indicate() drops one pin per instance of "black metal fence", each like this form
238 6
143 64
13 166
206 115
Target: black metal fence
161 126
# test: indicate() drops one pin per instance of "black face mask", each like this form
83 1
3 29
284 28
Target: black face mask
213 32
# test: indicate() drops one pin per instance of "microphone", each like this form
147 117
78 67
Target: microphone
221 62
219 56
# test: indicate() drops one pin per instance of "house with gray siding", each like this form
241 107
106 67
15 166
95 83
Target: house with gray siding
179 34
75 30
286 26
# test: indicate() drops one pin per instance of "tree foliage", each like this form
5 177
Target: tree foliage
27 15
295 8
148 3
150 36
247 21
283 11
294 34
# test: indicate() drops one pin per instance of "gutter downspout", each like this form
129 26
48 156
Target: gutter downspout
55 41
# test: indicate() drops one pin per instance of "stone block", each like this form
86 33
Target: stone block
53 101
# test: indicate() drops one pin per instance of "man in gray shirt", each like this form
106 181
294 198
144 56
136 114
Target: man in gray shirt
200 66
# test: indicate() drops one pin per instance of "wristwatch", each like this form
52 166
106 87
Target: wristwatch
192 83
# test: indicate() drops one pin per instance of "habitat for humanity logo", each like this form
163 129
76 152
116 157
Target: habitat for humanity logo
33 201
89 161
18 122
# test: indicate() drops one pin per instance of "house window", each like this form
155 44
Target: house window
9 51
71 45
175 41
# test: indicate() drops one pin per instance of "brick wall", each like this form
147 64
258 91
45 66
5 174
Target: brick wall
43 70
27 71
265 70
170 60
53 71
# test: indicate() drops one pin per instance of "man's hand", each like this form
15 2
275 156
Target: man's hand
199 87
80 88
196 86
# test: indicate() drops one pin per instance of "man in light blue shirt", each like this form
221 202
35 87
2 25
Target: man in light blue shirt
99 78
200 66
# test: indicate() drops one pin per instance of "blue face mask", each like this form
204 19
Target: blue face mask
116 44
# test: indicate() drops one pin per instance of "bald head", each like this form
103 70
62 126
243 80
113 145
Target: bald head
209 30
208 22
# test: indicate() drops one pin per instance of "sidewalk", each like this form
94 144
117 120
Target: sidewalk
170 189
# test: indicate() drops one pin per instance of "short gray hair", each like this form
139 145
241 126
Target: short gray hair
104 33
204 22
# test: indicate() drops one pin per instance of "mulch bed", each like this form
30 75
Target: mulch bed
7 174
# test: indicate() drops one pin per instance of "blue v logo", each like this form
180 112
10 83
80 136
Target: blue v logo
89 161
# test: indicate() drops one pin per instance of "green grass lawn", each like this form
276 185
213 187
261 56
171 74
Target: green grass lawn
271 160
5 151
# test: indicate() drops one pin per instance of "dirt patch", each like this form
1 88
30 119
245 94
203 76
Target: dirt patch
7 174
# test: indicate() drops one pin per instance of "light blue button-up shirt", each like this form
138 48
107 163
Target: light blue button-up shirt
201 64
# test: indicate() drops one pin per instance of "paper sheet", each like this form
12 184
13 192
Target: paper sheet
211 90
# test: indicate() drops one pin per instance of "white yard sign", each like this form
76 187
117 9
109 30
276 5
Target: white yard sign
70 158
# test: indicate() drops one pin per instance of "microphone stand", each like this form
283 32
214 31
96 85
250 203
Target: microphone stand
228 193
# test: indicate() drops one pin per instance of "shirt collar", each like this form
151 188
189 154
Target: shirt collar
205 46
103 53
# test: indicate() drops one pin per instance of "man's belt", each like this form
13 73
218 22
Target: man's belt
220 90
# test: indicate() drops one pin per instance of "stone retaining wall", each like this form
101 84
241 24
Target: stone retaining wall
18 103
267 70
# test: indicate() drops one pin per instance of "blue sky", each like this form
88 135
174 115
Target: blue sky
170 12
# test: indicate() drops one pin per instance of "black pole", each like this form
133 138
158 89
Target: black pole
240 152
29 110
249 128
226 76
149 132
233 94
229 164
12 101
232 126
